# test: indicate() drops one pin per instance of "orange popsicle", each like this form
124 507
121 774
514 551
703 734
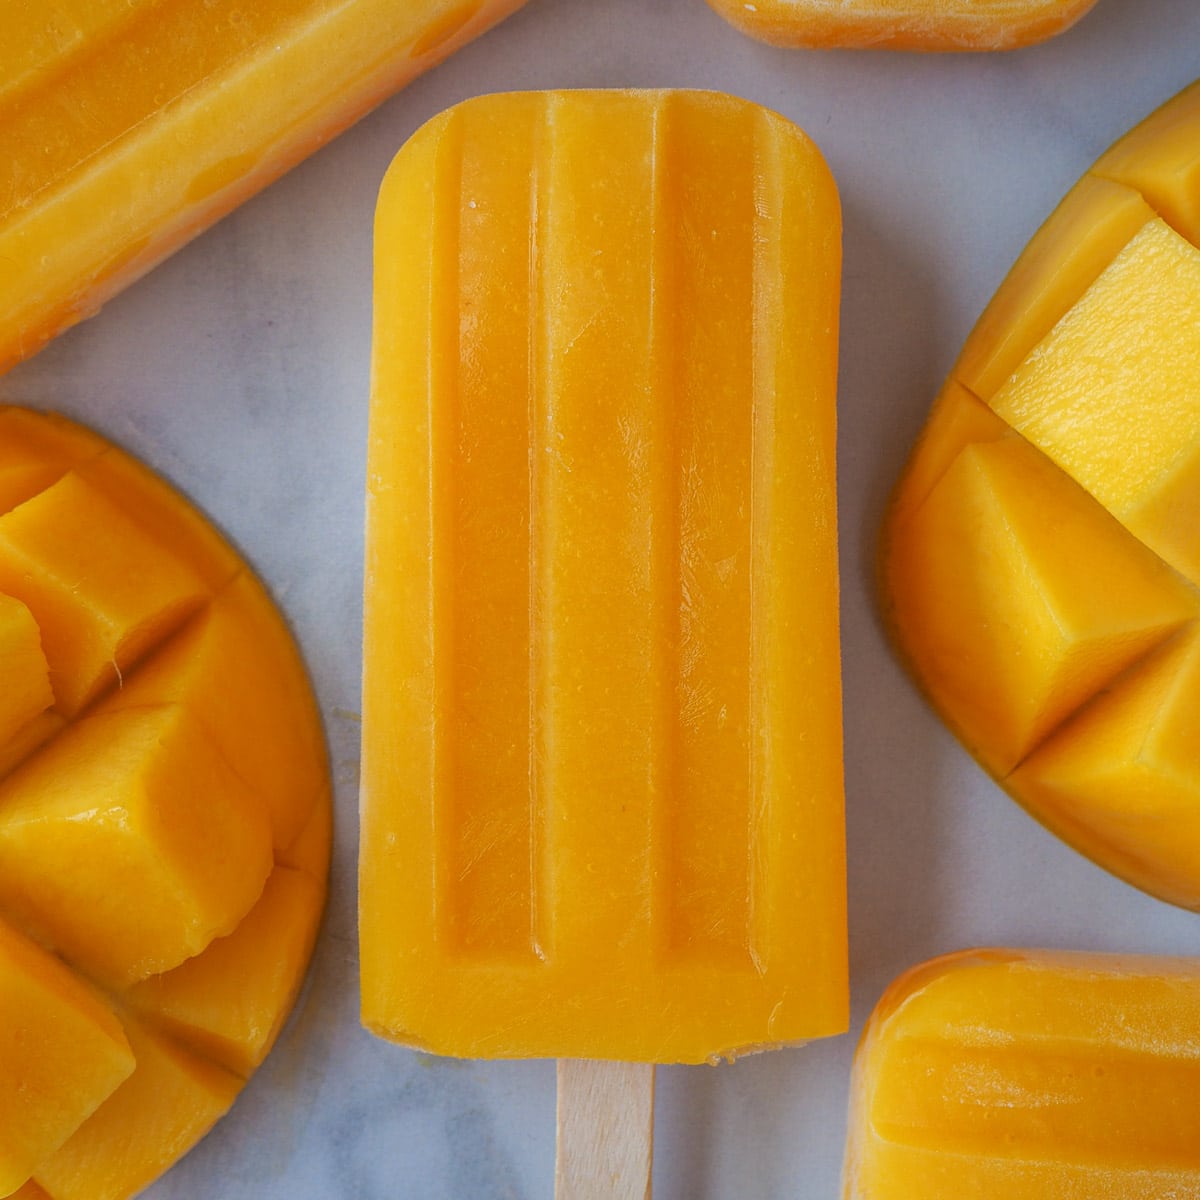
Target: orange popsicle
903 24
602 806
997 1074
129 126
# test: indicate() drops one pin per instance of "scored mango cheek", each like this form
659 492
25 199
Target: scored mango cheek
164 811
1040 569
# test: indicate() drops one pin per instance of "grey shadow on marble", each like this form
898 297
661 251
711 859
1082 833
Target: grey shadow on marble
896 815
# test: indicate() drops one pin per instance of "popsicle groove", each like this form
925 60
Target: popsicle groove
491 810
667 548
450 894
974 1100
602 455
711 190
538 372
43 46
766 319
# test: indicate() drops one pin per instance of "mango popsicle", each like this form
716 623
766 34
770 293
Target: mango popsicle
904 24
1003 1073
601 798
129 126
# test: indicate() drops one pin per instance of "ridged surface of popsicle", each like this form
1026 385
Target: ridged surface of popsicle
602 781
128 126
1003 1073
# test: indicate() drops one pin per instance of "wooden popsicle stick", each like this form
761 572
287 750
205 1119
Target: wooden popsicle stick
605 1145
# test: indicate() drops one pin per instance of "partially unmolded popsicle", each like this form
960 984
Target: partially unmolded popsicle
1040 1074
602 810
129 126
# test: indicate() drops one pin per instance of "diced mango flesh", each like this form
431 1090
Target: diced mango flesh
26 686
1051 628
1129 758
1161 160
985 552
102 591
28 738
37 449
53 1028
159 752
904 24
129 844
958 419
231 1000
234 667
172 1099
1095 220
1111 393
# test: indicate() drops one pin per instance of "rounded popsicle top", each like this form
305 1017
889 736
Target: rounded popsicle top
601 585
977 25
164 816
1039 569
412 167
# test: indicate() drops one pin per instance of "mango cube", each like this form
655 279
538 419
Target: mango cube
52 1027
1130 757
101 590
1161 160
233 667
172 1099
1110 393
1040 564
1081 237
129 843
984 552
37 449
231 1000
26 676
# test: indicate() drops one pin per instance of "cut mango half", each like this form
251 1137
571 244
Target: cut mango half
1040 564
164 818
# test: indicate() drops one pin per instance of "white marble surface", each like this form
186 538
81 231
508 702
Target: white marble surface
239 369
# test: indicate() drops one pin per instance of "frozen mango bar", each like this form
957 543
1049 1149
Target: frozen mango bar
1040 566
997 1074
164 818
903 24
602 798
129 126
